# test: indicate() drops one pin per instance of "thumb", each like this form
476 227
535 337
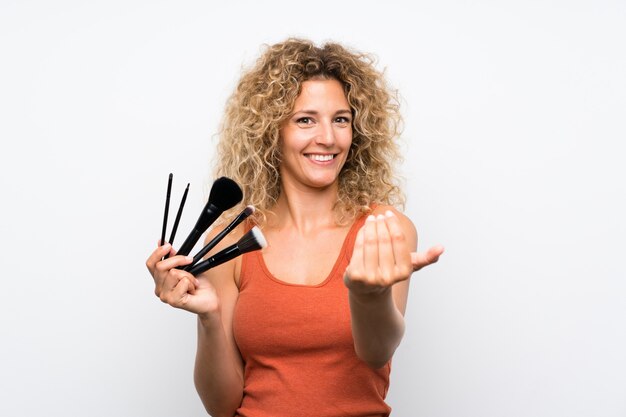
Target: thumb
422 259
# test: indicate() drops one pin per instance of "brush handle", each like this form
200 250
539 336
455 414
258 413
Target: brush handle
190 242
219 258
167 207
206 219
178 215
217 239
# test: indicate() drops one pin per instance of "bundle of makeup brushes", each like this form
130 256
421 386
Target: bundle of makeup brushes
224 195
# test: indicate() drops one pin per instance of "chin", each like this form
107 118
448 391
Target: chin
323 184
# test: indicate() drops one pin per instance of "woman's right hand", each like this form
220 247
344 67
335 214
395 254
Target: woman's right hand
179 288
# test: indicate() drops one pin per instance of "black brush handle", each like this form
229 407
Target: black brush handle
167 208
217 239
178 215
208 216
219 258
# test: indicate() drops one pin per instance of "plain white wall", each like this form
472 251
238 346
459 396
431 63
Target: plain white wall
515 124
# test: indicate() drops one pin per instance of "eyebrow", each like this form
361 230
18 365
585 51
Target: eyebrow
313 112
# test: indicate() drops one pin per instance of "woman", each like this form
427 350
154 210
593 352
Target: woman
307 326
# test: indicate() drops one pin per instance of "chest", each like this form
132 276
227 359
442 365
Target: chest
303 260
274 318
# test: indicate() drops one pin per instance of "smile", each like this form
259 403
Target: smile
320 158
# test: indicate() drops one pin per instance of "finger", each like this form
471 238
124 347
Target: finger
422 259
356 262
386 261
173 262
355 267
370 247
157 255
173 278
182 289
401 250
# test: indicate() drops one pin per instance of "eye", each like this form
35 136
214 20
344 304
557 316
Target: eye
304 120
342 120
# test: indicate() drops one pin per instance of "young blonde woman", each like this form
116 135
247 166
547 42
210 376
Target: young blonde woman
308 325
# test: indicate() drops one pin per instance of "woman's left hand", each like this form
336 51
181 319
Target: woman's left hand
382 256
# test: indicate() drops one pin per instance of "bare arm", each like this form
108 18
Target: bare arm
218 373
378 282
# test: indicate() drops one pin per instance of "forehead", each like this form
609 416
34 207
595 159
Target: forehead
321 92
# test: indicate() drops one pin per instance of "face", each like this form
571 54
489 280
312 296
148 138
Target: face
316 137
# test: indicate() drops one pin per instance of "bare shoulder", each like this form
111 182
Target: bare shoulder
410 232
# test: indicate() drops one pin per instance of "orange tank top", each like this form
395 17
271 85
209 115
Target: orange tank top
297 347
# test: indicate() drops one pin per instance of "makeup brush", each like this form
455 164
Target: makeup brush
225 194
178 214
167 207
240 217
177 220
251 241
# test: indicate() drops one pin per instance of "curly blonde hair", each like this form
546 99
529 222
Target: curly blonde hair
249 149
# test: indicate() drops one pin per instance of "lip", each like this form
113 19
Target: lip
309 155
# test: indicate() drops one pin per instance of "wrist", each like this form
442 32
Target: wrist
379 297
211 319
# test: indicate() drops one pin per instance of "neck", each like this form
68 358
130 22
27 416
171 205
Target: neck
305 209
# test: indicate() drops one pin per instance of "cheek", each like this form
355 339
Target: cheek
346 138
286 144
294 140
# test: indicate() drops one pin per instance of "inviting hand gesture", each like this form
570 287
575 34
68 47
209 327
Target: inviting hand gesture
382 256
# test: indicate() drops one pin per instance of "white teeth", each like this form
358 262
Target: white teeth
321 158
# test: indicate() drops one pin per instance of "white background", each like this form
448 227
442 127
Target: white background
514 144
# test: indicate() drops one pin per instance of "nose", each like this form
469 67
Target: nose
326 134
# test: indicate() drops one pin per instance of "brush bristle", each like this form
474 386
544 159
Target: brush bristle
249 210
253 240
225 193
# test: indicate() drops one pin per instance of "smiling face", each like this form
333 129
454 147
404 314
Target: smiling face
316 137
